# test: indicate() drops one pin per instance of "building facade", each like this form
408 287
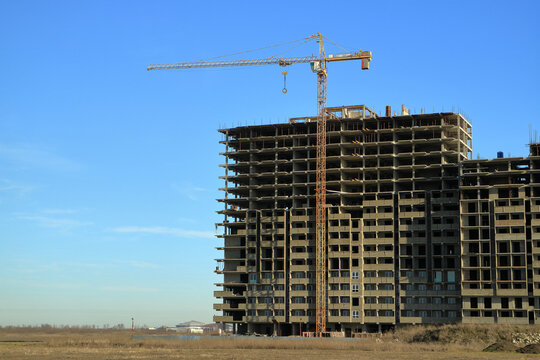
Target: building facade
500 239
397 231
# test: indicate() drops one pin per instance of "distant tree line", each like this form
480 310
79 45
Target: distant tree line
74 327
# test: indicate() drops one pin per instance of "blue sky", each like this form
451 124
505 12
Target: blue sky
109 173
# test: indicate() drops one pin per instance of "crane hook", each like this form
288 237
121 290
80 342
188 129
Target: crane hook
284 82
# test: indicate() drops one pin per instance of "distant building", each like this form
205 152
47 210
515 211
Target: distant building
191 327
212 327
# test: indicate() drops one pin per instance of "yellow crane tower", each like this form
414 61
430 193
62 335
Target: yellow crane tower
318 66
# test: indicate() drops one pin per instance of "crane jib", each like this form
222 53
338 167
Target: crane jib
278 61
206 64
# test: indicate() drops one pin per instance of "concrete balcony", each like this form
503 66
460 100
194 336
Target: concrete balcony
272 219
477 292
227 294
302 319
444 213
387 293
429 306
302 293
509 209
272 281
261 293
512 292
430 320
378 254
379 306
345 254
340 293
512 320
372 228
300 243
302 255
301 306
259 319
411 214
340 280
416 240
412 279
517 222
338 241
379 319
414 201
346 306
478 320
413 227
341 319
378 267
339 229
516 236
430 293
411 320
302 218
378 203
221 307
228 319
238 269
263 306
302 267
301 280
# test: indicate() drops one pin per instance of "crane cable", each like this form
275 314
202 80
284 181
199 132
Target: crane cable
330 41
246 51
292 47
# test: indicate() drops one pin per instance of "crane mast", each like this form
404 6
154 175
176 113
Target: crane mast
320 196
318 65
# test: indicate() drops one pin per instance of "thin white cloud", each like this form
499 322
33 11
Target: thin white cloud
56 223
61 286
83 264
127 289
59 266
77 265
192 192
58 211
140 264
10 186
81 286
27 155
186 220
161 230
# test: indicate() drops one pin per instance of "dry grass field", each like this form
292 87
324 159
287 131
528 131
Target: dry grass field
418 343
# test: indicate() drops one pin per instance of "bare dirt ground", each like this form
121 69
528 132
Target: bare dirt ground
37 343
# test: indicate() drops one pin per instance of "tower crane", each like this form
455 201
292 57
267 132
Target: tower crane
318 66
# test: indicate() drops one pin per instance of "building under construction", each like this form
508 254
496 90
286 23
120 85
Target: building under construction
417 232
